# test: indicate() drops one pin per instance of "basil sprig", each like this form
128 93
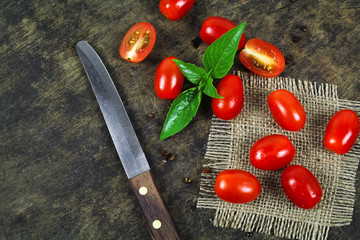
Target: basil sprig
218 59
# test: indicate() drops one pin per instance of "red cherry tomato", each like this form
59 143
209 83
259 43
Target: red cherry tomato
175 9
342 131
237 186
168 79
215 27
301 186
262 58
231 89
138 42
272 152
286 109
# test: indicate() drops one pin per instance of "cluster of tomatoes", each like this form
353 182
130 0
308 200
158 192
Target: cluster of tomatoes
271 152
274 152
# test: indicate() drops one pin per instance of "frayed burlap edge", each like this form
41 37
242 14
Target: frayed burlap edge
220 148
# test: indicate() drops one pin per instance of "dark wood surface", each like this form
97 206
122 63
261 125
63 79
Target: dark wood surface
60 175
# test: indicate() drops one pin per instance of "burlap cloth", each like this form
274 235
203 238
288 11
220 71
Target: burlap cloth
272 212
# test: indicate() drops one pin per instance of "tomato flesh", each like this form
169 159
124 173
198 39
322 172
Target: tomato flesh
301 186
175 9
214 27
168 79
287 110
138 42
237 186
342 131
262 58
272 152
230 106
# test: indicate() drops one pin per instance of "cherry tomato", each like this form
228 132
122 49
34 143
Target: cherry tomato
168 79
138 42
262 58
237 186
301 186
175 9
231 89
214 27
286 109
342 131
272 152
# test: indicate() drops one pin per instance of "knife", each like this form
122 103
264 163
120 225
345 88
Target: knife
159 221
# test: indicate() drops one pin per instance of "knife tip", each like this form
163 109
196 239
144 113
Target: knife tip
81 43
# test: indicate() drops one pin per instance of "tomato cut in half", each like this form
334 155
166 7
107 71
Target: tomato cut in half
168 79
301 186
175 9
231 89
237 186
214 27
262 58
138 42
342 131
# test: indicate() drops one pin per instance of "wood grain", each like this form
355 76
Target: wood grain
160 223
60 176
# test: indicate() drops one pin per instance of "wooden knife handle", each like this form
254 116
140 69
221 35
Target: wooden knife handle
160 223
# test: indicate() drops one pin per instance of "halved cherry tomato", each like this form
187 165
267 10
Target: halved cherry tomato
138 42
175 9
262 58
342 131
272 152
231 89
301 186
214 27
237 186
286 110
168 79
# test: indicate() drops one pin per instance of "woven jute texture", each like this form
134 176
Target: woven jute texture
272 212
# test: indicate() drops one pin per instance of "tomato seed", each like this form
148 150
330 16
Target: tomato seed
187 180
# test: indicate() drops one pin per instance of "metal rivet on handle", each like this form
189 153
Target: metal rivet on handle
143 190
156 224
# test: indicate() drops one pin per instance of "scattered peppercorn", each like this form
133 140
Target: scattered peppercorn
304 28
206 169
165 156
295 39
187 180
171 157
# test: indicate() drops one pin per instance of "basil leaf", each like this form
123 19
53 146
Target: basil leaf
219 56
192 72
210 89
182 110
204 81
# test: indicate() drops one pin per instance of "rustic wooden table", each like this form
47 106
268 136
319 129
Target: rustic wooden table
60 175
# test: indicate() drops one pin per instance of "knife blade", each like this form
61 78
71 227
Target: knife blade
132 157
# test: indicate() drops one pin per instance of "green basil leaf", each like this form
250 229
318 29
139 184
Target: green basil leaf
219 56
192 72
204 81
181 112
210 89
